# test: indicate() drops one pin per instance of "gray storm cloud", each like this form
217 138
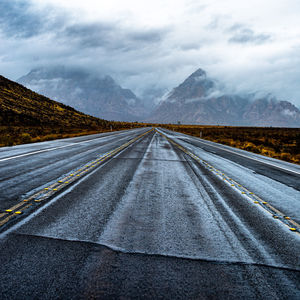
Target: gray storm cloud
245 57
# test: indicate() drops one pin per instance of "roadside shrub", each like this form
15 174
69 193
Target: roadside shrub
26 138
286 156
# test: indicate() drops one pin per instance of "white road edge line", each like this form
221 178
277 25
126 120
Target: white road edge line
35 152
261 161
50 149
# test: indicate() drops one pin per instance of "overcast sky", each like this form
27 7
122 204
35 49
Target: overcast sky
249 45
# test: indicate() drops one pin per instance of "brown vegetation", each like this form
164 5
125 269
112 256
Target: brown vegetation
280 143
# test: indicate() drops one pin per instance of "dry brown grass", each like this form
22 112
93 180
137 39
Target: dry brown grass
16 135
280 143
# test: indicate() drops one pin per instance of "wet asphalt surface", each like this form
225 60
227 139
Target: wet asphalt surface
21 175
280 171
150 223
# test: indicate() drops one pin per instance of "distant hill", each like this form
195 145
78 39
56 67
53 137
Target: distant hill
99 96
200 100
26 116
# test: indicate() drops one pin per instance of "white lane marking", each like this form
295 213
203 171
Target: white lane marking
51 149
35 152
261 161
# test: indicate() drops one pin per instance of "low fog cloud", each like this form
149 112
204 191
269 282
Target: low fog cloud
250 48
244 35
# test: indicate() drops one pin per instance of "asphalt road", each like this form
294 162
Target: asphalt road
151 222
26 167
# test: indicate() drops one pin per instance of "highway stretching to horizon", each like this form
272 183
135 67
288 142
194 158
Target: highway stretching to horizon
147 214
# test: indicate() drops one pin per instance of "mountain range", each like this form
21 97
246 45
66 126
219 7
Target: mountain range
199 99
99 96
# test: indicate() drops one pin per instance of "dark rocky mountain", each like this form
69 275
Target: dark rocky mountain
200 100
97 96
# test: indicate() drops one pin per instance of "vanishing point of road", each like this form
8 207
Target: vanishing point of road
147 214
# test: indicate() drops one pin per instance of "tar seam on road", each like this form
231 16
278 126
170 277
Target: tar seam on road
276 214
45 193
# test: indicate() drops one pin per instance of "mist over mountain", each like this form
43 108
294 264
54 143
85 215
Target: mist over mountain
199 99
99 96
202 100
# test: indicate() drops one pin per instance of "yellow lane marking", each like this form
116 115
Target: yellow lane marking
15 207
3 221
276 214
